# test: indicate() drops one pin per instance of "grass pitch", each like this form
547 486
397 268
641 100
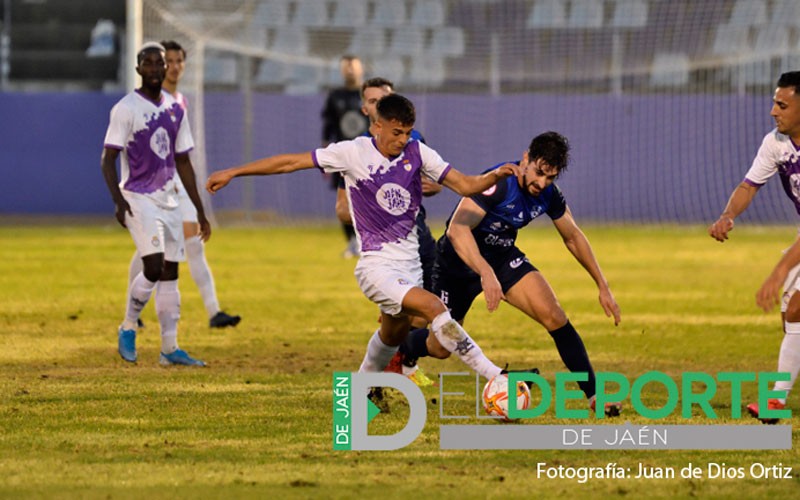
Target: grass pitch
77 421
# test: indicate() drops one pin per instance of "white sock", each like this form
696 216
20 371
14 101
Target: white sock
378 354
201 274
136 266
138 294
453 338
168 308
789 357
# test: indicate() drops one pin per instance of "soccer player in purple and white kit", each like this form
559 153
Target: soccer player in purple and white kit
382 178
151 130
195 248
779 154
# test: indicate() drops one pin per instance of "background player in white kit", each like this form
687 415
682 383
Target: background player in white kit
779 153
152 131
195 249
382 178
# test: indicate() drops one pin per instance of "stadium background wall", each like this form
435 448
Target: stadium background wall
636 158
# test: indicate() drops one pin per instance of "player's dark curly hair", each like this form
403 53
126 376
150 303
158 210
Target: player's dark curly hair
397 107
551 147
790 79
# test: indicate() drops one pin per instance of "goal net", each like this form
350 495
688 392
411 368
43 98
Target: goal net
665 102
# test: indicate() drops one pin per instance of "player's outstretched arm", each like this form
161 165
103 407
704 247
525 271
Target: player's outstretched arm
579 246
739 201
186 172
108 163
770 292
468 185
467 216
280 164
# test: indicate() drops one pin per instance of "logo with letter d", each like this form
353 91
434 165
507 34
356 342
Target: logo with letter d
352 411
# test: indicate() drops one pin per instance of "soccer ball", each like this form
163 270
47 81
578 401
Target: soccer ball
495 396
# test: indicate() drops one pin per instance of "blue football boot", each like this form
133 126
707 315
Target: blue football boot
127 345
179 357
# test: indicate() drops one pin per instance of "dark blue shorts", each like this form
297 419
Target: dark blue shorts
458 290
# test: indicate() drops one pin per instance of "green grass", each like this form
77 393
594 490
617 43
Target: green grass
76 421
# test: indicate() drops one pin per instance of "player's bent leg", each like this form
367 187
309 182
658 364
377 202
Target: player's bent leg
384 343
789 356
201 274
448 332
394 329
533 296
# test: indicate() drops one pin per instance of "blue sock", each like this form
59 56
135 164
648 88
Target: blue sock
573 354
415 345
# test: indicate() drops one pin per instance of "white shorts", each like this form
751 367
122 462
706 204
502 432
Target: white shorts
386 282
185 205
155 229
791 285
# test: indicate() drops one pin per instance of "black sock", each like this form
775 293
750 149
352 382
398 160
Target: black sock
415 345
573 354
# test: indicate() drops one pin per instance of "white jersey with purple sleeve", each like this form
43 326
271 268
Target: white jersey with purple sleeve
777 154
384 193
149 134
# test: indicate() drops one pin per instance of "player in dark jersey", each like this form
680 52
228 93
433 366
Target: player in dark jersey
343 120
478 253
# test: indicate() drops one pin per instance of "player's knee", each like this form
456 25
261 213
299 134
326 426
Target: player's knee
152 266
553 319
433 307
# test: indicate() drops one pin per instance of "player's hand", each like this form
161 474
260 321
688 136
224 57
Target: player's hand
492 291
609 305
507 170
205 228
720 229
218 180
122 208
768 296
429 187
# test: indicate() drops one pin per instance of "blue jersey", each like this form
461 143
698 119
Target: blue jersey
508 208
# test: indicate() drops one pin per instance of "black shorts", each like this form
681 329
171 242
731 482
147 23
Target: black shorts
427 250
458 290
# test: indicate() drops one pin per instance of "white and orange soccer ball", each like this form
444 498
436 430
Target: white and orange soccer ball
495 396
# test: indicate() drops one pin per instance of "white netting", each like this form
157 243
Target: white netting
665 101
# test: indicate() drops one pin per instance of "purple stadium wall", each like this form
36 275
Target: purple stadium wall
651 158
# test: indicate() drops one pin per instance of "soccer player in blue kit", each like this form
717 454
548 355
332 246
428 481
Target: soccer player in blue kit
478 252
